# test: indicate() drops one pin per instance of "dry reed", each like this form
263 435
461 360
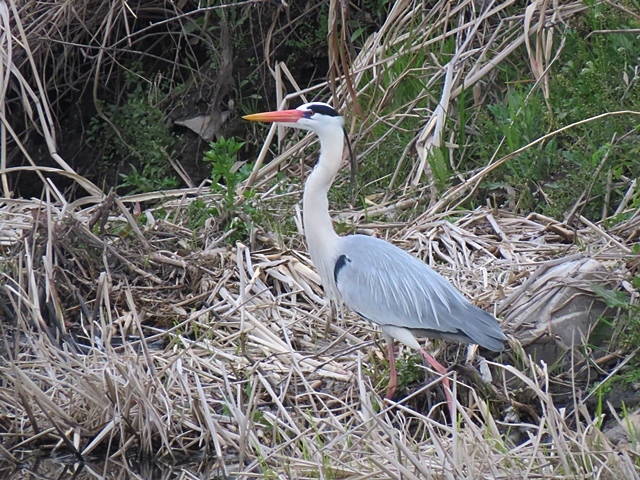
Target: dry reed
121 335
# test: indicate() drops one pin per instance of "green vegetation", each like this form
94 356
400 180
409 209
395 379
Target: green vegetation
591 77
409 370
198 212
226 172
628 330
134 138
583 169
226 175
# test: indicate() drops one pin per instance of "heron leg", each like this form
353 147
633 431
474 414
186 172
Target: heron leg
393 374
438 367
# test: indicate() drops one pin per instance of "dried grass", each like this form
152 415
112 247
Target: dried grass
120 337
133 341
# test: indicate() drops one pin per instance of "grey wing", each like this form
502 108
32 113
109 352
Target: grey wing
388 286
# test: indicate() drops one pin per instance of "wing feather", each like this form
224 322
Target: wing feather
388 286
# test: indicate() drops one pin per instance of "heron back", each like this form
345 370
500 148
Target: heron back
388 286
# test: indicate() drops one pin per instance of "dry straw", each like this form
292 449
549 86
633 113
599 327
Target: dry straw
118 337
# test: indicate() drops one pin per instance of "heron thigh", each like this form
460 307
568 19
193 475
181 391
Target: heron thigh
402 335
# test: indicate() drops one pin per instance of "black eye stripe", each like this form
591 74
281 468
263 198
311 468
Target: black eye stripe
323 109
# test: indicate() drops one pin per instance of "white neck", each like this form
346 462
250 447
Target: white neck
321 237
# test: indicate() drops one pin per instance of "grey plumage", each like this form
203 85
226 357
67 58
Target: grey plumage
388 286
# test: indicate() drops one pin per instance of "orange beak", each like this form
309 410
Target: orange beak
286 116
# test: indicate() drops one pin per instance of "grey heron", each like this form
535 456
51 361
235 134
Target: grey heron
379 281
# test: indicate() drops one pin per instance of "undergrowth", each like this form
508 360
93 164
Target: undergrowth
226 174
627 329
135 140
584 170
593 75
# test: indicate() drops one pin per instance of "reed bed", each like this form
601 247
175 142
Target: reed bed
154 341
125 331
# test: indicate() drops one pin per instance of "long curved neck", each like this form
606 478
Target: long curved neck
321 237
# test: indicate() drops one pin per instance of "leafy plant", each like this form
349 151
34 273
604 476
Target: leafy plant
198 212
628 323
409 370
629 317
591 76
226 174
137 139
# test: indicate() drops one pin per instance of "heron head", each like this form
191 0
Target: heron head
314 116
318 117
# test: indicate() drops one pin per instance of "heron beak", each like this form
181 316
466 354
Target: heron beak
284 116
